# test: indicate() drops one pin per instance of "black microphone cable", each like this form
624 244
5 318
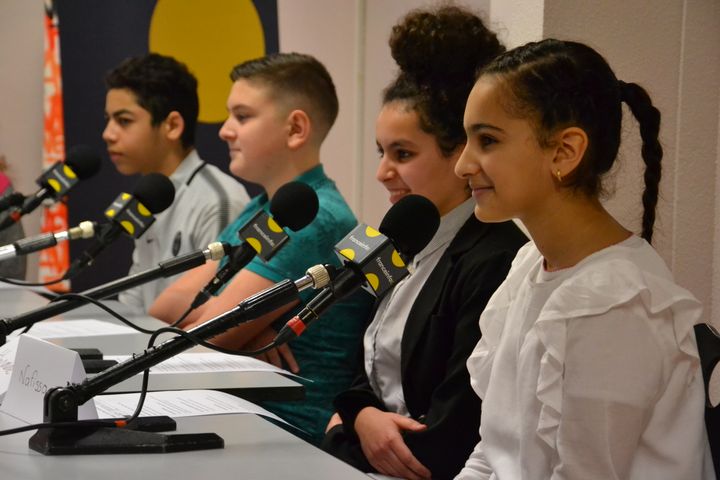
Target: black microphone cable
23 283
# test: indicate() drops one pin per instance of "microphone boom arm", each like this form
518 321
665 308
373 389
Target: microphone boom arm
61 402
164 269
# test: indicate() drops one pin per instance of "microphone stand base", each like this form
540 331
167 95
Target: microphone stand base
138 437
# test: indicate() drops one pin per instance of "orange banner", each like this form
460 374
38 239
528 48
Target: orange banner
54 261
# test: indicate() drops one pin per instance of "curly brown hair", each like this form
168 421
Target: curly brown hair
439 51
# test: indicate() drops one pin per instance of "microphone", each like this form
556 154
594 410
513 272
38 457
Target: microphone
84 229
380 256
80 163
294 206
129 213
374 259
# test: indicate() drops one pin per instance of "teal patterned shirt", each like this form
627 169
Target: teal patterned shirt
328 351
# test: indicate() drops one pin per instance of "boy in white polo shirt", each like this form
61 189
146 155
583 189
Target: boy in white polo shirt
151 109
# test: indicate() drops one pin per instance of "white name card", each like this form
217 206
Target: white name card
39 366
7 360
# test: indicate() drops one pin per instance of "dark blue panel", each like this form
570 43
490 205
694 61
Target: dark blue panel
96 35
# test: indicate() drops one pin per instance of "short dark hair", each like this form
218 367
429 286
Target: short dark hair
299 77
161 85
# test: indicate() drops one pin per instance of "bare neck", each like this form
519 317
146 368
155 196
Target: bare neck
291 169
573 229
172 160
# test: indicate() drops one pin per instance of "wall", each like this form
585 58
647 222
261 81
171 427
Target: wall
21 90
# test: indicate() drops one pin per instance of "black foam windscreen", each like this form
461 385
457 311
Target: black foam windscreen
83 160
294 205
410 224
155 191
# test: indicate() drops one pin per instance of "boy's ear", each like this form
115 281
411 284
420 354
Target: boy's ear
570 146
174 126
300 129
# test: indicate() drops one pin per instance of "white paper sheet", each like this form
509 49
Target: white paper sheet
203 362
78 328
185 403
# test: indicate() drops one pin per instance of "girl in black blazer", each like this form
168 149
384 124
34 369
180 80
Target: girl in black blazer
411 412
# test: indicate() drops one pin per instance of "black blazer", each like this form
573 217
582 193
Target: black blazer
440 334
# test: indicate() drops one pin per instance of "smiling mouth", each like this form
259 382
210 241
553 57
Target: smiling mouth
397 193
477 191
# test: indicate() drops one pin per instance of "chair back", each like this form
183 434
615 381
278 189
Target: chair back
708 342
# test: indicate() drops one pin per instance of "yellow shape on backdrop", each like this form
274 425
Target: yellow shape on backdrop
210 38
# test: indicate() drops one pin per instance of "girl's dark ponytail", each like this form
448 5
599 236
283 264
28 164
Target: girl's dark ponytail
649 119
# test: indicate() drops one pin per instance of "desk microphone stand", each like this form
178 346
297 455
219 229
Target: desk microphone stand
61 403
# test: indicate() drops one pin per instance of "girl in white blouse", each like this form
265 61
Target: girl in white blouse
587 366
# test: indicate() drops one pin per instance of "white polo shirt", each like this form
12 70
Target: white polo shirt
206 201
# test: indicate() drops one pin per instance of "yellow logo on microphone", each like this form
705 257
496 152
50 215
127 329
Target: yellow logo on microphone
263 234
255 244
375 255
130 214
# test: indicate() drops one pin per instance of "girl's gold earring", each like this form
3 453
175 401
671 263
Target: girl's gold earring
559 175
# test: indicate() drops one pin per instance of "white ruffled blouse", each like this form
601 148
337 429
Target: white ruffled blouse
590 372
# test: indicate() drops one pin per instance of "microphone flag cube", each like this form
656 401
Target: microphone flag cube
375 255
130 214
263 234
60 177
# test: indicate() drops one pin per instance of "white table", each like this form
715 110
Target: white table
254 449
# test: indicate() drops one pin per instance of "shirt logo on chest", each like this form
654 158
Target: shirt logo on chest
177 243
